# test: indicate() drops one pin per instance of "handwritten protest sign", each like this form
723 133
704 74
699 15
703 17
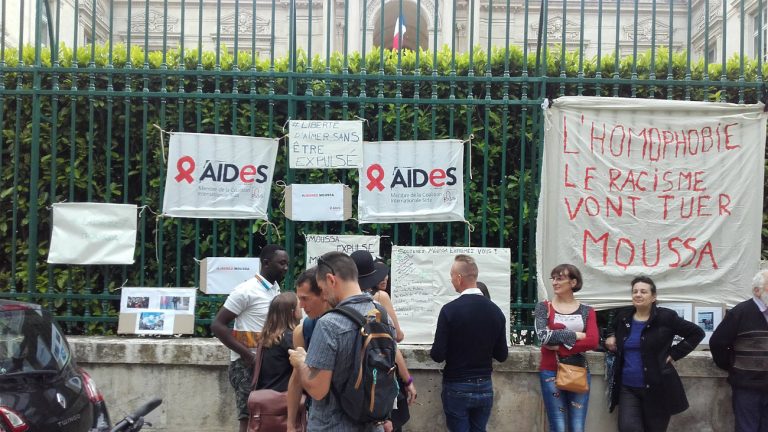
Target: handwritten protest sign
314 144
318 244
669 189
93 233
421 284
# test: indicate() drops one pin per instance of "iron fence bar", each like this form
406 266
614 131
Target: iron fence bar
599 64
724 60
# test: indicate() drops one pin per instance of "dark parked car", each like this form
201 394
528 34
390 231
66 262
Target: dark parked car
41 387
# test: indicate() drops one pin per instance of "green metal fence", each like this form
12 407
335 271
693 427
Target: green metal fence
78 122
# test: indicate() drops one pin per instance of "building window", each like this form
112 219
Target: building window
761 34
712 54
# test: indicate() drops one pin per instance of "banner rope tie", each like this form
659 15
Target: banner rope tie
162 141
264 228
286 122
471 229
281 207
469 140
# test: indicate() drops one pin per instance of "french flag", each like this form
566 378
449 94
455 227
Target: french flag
399 33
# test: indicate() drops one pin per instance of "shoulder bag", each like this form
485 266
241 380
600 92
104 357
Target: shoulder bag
268 409
571 371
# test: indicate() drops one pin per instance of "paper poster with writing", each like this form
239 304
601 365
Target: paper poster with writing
93 233
421 284
324 144
668 189
318 244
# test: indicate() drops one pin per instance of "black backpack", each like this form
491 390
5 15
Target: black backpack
368 394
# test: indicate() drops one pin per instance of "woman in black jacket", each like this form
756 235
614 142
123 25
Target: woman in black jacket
646 383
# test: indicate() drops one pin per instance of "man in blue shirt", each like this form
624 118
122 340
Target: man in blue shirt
471 332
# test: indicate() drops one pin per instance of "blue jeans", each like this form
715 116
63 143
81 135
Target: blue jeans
467 404
566 411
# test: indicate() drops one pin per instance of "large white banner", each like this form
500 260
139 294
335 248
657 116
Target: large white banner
668 189
412 181
219 176
93 233
421 284
318 244
314 144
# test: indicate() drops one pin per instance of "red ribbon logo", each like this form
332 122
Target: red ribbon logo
375 175
185 166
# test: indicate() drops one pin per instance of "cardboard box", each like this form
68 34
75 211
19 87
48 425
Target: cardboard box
220 275
318 202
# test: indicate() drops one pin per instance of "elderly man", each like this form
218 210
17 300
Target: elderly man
471 332
740 346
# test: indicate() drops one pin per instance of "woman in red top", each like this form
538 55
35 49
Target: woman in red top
566 329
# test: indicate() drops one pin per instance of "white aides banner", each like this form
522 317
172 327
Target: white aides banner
93 233
412 181
314 144
668 189
318 244
421 284
219 176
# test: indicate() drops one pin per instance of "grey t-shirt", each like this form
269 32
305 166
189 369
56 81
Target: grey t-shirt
331 349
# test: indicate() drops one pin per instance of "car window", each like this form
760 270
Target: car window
30 341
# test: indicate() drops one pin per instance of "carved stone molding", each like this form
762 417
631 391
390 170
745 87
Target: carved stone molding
715 12
645 30
555 29
153 24
245 24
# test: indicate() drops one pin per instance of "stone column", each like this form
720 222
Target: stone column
329 14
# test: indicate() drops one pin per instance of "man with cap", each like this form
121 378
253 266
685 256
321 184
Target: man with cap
369 274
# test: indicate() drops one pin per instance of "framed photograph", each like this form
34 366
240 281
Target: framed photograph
708 318
684 310
155 323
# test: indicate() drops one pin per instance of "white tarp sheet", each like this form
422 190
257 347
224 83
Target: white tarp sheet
219 176
93 233
421 284
412 181
668 189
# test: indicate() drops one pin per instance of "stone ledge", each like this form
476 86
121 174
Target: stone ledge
210 352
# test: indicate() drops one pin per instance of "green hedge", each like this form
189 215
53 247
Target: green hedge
106 149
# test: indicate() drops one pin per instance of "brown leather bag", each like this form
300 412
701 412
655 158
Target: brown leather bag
571 378
268 409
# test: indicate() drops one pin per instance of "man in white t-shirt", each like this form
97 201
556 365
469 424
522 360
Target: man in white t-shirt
247 306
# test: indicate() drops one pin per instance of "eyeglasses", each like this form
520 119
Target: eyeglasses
559 278
322 262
